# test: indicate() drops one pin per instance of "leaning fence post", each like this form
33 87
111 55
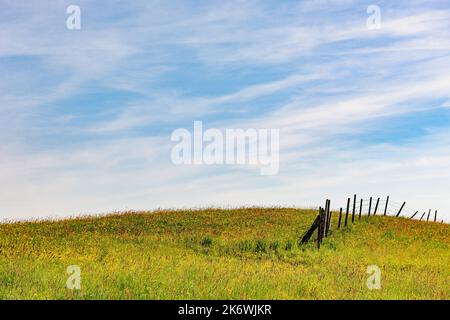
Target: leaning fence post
346 213
354 208
422 216
414 214
376 206
360 208
386 207
428 216
311 230
435 216
370 207
340 218
401 208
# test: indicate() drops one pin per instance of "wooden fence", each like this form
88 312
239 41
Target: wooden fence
357 208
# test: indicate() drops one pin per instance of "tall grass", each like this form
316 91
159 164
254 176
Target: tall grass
222 254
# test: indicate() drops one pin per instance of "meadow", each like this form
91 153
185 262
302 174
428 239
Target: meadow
248 253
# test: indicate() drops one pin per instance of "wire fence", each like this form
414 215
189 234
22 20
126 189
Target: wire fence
356 207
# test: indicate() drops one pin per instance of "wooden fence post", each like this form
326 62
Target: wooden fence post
422 216
319 228
340 218
386 207
376 206
360 208
346 213
324 221
328 222
401 208
435 216
414 214
370 207
354 208
428 216
327 216
311 230
322 229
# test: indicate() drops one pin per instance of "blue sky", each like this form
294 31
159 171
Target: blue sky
86 115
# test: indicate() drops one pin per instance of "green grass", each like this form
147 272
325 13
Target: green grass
222 254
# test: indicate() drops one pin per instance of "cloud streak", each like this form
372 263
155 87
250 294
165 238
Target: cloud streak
86 116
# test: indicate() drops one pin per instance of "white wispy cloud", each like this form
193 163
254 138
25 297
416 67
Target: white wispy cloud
326 79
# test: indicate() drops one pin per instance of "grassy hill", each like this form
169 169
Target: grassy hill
223 254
